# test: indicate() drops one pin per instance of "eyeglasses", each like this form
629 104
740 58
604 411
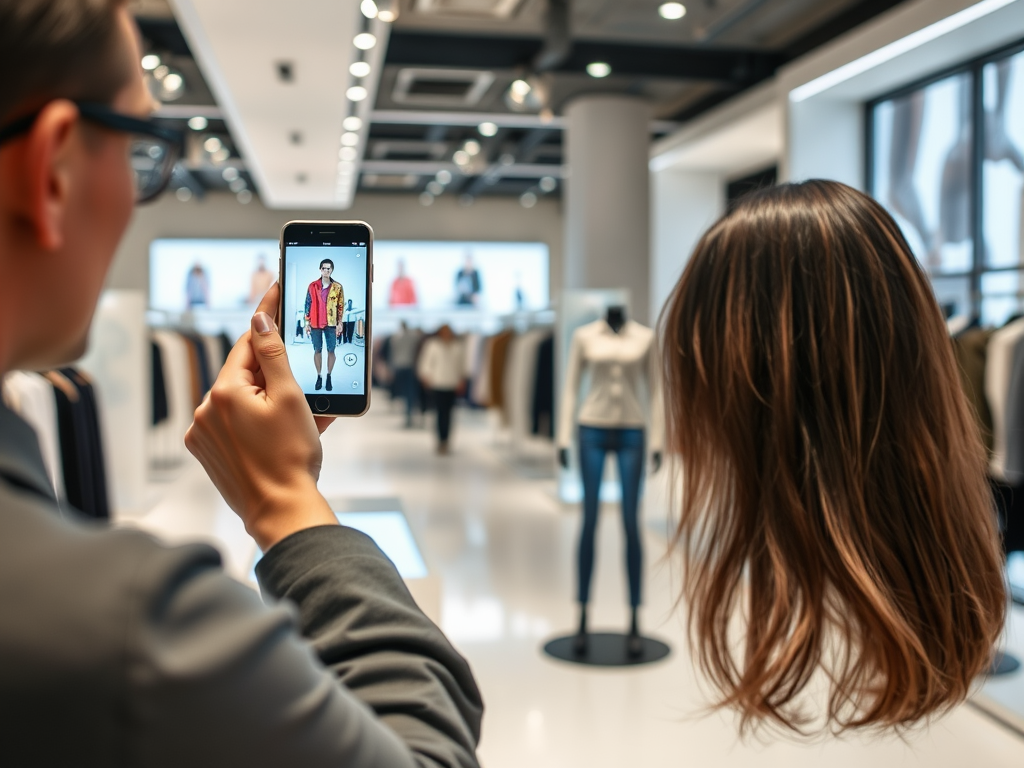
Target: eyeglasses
154 151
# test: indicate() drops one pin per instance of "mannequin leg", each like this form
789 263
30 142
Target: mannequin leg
592 453
631 471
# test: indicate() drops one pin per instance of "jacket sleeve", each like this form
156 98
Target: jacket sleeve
216 678
309 305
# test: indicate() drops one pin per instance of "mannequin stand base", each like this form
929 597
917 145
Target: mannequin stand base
1003 664
606 649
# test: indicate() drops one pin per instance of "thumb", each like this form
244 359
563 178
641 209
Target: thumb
270 352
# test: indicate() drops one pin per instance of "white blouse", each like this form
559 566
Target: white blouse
442 364
625 382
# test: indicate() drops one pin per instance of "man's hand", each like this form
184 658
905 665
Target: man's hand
257 439
308 331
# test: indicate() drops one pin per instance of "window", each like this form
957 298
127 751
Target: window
946 158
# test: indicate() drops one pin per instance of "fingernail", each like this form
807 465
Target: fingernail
262 323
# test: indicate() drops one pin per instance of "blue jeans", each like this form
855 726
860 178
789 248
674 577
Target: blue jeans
628 445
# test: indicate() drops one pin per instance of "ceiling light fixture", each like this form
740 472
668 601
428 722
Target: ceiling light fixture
364 41
444 176
244 196
352 123
599 69
356 93
488 129
237 185
472 147
435 188
672 11
896 48
349 139
221 155
212 144
198 123
150 62
548 184
229 174
183 193
461 158
369 9
387 11
426 199
348 153
528 200
359 69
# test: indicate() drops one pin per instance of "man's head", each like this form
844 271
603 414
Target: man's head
326 268
66 185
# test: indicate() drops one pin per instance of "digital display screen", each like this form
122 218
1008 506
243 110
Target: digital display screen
324 317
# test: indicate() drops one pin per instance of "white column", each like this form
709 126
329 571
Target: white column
607 197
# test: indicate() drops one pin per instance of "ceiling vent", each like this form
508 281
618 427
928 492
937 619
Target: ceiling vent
389 181
408 150
441 87
495 9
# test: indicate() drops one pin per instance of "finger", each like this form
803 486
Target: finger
323 422
269 350
241 362
271 301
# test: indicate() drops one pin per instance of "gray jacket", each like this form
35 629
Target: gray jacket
116 650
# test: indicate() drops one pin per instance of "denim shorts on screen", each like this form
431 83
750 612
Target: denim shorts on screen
319 334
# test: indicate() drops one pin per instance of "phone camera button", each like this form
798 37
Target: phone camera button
321 404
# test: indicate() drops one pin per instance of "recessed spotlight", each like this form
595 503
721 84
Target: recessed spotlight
349 139
364 41
444 176
237 185
356 93
352 123
198 123
369 9
387 10
161 72
435 188
487 129
472 147
244 196
348 154
548 184
426 199
461 157
150 62
221 155
599 69
387 16
672 11
345 167
520 88
183 193
213 144
229 174
359 69
528 200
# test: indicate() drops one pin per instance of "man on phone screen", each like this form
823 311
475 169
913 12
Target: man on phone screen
324 297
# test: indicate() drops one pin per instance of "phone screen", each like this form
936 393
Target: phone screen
325 282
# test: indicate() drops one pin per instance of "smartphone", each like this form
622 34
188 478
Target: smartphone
325 314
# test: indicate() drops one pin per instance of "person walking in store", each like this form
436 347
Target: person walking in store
325 298
145 654
441 368
405 346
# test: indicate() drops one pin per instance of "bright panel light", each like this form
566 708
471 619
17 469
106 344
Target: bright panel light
487 129
599 69
896 48
364 41
356 93
520 88
348 153
150 62
352 123
369 9
387 16
198 123
359 69
672 11
213 144
350 139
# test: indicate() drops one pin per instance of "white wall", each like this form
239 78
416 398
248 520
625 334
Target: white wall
684 205
393 217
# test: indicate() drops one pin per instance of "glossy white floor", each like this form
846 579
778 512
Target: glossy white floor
500 550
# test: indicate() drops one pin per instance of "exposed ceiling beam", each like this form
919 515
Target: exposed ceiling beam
738 66
428 168
472 119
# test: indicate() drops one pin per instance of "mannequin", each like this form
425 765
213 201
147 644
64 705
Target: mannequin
621 413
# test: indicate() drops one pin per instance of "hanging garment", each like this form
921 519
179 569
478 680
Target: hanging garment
998 369
441 364
543 410
159 385
625 381
482 381
166 439
971 350
32 397
499 358
1013 421
91 442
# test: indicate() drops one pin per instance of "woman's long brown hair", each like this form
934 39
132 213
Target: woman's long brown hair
835 496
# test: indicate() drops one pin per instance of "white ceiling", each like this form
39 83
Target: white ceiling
238 44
